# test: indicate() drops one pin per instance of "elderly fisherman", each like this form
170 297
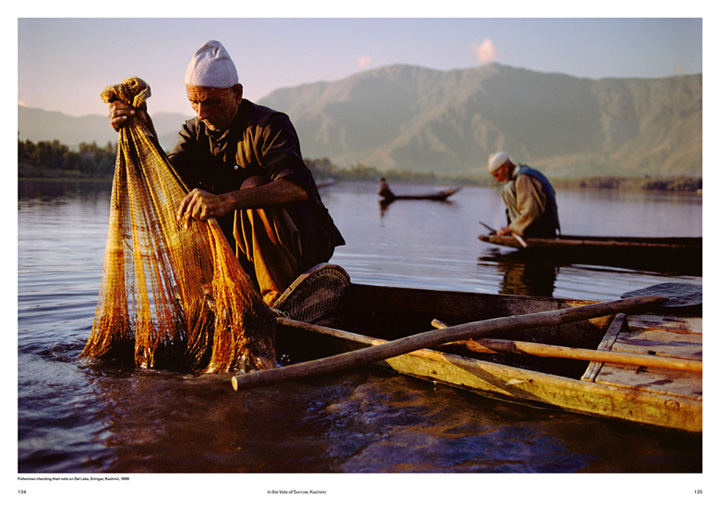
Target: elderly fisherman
244 166
529 198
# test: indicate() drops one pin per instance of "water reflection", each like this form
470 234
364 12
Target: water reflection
49 190
385 205
522 278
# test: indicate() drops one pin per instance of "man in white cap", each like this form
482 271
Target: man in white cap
244 166
531 207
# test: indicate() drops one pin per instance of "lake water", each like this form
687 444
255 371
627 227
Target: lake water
74 419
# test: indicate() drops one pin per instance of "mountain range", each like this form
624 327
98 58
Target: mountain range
40 125
448 122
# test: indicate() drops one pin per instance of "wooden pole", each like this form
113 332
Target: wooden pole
515 235
494 346
436 337
519 239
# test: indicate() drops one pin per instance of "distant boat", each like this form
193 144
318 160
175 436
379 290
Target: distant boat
389 196
324 183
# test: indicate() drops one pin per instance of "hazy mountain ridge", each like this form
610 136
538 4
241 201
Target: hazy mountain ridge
418 119
40 125
424 120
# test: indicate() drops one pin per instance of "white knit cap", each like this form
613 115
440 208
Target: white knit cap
211 66
496 160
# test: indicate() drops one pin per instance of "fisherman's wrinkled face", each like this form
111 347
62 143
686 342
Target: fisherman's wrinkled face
215 107
502 173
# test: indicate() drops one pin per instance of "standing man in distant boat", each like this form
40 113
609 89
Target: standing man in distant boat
529 197
243 164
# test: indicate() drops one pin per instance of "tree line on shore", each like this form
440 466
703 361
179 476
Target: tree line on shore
51 159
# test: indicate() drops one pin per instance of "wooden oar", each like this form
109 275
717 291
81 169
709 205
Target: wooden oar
436 337
494 346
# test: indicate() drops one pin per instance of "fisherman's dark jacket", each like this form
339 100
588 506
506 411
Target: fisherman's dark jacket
259 141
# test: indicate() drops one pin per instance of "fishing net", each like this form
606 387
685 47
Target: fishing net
171 297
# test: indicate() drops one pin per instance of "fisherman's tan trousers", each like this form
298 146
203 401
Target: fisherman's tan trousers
270 241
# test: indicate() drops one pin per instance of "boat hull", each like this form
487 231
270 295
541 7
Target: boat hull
681 255
369 315
439 196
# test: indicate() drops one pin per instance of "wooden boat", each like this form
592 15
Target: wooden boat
338 316
435 196
682 254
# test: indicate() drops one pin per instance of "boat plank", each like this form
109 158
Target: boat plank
660 343
685 384
661 335
638 405
606 344
677 324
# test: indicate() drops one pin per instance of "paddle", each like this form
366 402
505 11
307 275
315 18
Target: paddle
433 338
493 345
517 237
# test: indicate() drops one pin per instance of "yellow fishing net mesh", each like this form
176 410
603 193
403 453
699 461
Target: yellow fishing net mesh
171 297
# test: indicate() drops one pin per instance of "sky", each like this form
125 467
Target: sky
65 62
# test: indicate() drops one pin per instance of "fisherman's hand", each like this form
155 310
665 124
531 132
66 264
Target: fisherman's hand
201 205
504 231
119 113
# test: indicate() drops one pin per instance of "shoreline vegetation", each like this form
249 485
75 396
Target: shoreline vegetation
50 160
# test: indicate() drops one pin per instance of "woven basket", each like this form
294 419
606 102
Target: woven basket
315 293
